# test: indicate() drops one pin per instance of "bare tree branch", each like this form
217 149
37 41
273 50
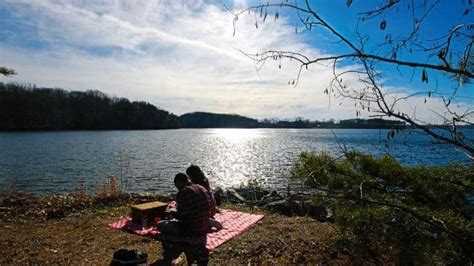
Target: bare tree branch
371 92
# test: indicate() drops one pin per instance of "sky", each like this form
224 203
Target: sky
182 56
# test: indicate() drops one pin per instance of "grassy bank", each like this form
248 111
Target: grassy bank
72 230
381 213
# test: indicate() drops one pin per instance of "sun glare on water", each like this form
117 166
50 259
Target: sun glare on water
236 135
235 155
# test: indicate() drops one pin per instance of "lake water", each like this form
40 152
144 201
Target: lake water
146 161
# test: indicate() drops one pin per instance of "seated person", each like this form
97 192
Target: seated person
192 210
197 176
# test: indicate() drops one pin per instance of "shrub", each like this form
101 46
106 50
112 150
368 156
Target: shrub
388 211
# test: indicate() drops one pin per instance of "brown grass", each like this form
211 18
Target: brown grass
80 191
80 238
108 189
278 239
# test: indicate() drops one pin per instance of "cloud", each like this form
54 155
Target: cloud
179 55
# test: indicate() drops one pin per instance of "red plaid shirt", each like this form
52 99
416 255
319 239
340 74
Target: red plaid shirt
193 209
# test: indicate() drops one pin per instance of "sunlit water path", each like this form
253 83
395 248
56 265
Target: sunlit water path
148 160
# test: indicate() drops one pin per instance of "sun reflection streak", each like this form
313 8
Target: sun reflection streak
236 134
235 155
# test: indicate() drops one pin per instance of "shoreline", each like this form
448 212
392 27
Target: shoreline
185 128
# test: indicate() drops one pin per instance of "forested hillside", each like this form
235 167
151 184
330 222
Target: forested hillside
211 120
30 108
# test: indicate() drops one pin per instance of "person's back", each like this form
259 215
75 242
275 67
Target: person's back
197 176
192 210
193 207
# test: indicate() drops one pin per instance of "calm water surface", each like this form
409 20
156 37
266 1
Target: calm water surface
147 161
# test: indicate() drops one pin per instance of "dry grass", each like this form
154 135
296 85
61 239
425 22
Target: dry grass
110 188
77 239
278 239
82 237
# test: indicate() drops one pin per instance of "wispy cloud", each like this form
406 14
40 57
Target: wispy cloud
180 55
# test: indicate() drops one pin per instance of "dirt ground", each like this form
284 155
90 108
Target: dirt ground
83 238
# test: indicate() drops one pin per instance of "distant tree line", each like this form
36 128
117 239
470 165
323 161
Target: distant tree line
211 120
25 107
371 123
347 123
30 108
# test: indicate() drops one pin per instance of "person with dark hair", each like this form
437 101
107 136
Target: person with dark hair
197 176
180 181
192 210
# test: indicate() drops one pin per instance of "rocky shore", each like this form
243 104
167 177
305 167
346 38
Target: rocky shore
289 204
27 206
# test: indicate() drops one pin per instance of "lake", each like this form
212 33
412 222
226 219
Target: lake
147 160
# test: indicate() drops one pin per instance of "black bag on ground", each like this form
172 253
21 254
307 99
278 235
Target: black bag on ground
129 257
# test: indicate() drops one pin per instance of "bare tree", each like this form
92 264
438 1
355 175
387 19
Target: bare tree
449 56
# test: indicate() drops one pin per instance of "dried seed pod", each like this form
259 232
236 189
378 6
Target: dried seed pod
383 24
424 76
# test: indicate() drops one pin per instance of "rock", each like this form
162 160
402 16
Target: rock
320 212
220 196
55 213
299 197
234 197
260 193
252 193
301 208
280 206
297 208
272 196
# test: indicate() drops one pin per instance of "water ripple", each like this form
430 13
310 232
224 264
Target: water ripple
148 160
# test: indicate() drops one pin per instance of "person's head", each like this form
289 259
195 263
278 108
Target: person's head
197 176
180 180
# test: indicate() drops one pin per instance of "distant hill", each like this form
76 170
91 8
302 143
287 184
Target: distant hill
211 120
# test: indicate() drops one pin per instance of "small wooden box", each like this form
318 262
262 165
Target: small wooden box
148 211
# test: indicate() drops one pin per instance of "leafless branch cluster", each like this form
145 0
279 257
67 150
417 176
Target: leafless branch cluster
6 71
450 56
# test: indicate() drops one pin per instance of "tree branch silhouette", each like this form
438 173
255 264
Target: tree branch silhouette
453 49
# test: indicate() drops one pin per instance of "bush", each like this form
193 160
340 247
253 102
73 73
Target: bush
386 211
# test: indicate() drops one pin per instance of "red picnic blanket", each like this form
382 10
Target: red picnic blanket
233 222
